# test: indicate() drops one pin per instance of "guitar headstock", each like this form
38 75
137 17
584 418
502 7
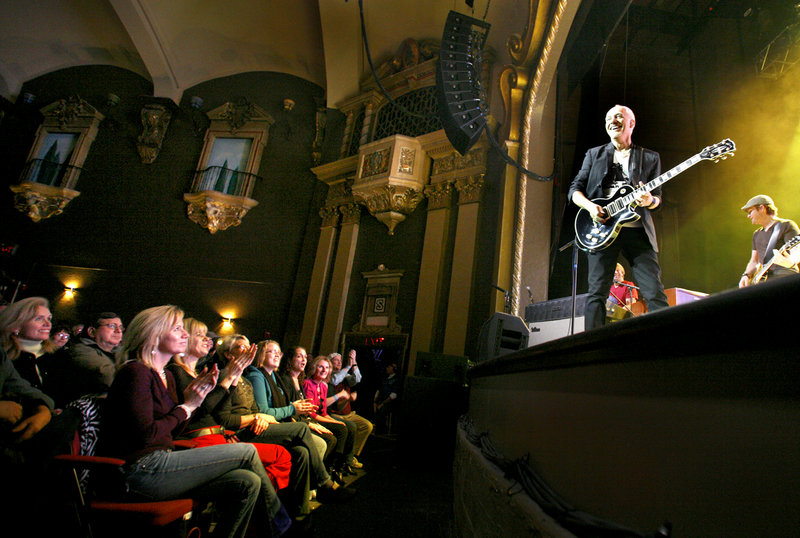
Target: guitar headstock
719 151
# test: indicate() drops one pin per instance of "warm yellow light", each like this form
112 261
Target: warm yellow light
69 293
227 323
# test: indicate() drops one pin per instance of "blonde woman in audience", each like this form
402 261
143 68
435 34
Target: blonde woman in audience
202 428
142 417
25 337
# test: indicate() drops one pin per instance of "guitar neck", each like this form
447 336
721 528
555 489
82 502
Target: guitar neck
621 203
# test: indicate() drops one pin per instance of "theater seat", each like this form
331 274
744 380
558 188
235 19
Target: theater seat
101 512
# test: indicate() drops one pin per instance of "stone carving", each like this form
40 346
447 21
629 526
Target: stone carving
237 114
407 156
329 215
376 163
351 213
440 195
389 203
469 189
155 120
67 110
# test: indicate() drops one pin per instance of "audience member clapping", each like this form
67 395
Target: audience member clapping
343 388
142 416
241 412
315 387
202 428
291 374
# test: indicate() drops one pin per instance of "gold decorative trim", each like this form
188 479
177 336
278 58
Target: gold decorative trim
455 161
376 163
469 189
217 211
40 201
351 213
389 203
522 186
407 156
513 83
440 195
330 216
523 48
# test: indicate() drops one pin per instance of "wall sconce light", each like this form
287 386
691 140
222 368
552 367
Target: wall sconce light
112 100
199 118
227 323
69 292
288 104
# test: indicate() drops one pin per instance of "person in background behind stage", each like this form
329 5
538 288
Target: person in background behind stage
772 234
605 169
620 293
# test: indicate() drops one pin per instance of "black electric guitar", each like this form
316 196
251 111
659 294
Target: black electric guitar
621 206
787 248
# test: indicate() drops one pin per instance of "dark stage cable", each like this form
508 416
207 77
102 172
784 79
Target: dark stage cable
576 521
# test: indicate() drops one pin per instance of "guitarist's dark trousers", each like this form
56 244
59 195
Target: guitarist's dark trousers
635 247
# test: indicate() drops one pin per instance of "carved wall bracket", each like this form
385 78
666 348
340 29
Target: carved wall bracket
389 203
155 120
40 201
217 211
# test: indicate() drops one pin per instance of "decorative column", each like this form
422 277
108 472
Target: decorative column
469 194
428 318
319 275
340 277
327 274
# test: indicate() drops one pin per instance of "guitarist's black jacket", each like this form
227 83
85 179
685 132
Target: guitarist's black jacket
644 165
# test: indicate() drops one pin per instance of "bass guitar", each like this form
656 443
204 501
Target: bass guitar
787 248
620 207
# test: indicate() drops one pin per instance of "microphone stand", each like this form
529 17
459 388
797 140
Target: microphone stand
506 299
574 246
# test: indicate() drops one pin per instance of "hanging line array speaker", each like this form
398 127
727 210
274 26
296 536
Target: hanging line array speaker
462 107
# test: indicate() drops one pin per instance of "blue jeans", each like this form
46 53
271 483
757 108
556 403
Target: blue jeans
232 476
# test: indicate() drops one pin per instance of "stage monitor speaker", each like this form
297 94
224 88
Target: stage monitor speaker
503 333
458 80
545 331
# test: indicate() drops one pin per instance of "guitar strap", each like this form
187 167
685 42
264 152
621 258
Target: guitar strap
773 240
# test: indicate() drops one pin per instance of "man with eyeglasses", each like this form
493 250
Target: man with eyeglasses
91 365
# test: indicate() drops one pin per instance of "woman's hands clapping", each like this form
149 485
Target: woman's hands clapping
233 370
196 391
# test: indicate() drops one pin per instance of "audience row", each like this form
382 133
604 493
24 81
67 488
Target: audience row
269 430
